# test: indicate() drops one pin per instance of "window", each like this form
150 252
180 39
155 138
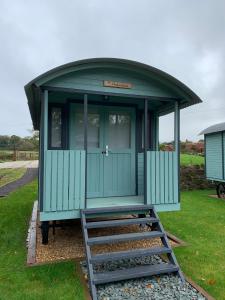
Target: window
56 127
119 131
93 130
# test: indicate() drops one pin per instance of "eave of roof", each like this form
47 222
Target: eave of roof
186 93
214 128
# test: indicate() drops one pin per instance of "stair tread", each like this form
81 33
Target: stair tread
109 256
121 222
136 272
124 237
116 209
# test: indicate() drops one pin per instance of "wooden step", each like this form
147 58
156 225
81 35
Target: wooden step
121 222
136 272
124 237
117 209
109 256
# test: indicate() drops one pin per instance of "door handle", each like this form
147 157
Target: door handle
106 151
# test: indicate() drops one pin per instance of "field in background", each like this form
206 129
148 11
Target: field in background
10 155
190 160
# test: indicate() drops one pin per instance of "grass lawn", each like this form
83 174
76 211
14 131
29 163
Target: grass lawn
9 175
53 281
189 159
201 223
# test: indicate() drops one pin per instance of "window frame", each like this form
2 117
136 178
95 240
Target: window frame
64 116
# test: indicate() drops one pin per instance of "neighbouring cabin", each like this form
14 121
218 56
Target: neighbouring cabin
99 136
215 155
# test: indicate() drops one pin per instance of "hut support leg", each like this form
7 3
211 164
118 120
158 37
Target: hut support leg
44 232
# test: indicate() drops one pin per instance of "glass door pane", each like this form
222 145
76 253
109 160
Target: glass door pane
93 130
119 131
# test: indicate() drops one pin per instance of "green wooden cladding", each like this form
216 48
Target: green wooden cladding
215 156
64 180
162 177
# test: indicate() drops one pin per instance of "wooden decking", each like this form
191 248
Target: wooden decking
115 201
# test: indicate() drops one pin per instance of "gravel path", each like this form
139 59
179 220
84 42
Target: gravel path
19 164
162 287
30 175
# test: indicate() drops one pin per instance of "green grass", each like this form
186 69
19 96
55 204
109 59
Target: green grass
201 223
9 175
17 281
190 160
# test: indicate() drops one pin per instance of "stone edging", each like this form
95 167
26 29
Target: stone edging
31 237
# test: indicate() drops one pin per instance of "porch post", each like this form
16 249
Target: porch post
177 140
43 144
176 127
85 142
145 149
156 133
45 118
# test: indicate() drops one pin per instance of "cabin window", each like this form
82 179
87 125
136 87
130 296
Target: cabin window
119 131
56 127
93 130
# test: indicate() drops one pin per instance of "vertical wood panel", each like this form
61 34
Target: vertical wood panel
54 166
64 179
82 177
170 178
162 175
153 176
71 179
65 205
77 181
166 166
158 183
60 181
149 196
175 178
47 182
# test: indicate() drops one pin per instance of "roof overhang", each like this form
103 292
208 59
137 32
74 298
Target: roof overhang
33 89
214 128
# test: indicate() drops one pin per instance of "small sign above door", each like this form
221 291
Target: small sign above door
117 84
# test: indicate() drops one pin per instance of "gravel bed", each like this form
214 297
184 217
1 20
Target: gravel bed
68 242
155 287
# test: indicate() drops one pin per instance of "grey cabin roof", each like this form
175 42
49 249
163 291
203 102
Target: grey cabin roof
186 96
214 128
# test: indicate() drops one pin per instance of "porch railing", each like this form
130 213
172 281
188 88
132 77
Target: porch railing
64 180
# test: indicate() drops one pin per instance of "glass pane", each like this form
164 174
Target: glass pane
79 130
119 131
56 127
93 130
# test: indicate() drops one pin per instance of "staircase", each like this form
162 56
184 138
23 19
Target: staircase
146 216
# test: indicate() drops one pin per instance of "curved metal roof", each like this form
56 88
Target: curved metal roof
185 94
214 128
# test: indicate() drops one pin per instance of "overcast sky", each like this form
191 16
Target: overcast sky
184 38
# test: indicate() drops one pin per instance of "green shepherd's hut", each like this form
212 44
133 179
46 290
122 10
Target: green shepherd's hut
99 150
